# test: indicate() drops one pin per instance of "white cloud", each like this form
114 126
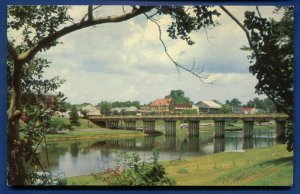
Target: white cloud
126 61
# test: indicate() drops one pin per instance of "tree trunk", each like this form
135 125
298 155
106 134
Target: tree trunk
16 168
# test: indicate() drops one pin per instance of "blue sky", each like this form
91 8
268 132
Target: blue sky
125 61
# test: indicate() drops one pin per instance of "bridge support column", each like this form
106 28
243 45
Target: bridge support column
280 128
248 128
193 126
219 128
170 127
112 124
130 125
149 125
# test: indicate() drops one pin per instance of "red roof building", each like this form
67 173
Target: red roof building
247 110
162 105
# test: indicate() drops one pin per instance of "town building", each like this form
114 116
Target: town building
164 105
247 110
208 106
145 109
179 107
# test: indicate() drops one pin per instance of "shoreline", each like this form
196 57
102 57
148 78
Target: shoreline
271 166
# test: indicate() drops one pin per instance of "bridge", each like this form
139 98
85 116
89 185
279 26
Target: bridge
112 122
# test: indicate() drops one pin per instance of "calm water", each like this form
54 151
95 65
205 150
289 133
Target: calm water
85 157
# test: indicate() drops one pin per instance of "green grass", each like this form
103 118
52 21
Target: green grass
86 180
272 166
266 173
98 133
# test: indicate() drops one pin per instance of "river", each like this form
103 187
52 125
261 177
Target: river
76 158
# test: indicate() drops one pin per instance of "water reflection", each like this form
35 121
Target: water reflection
248 143
193 144
148 142
74 149
170 143
219 145
84 157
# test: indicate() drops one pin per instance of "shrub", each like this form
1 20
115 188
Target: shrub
190 111
131 171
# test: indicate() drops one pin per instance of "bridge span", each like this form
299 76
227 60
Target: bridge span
193 121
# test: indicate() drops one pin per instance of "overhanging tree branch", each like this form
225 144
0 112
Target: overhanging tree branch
257 9
177 64
245 30
47 41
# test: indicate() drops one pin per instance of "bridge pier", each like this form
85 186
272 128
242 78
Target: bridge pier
112 124
149 125
170 127
130 125
219 128
248 128
280 128
193 127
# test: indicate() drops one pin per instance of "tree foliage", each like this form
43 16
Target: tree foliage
74 116
273 49
265 104
105 108
234 102
273 42
178 97
118 104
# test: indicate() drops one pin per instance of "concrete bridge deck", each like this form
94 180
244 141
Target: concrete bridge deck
190 117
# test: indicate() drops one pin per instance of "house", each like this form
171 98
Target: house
247 110
194 107
208 106
145 109
164 105
179 107
91 110
96 111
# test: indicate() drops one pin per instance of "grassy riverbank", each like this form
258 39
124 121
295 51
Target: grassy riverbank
95 133
272 166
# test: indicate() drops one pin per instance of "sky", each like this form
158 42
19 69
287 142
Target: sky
126 61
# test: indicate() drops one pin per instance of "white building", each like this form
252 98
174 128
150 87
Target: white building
208 106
